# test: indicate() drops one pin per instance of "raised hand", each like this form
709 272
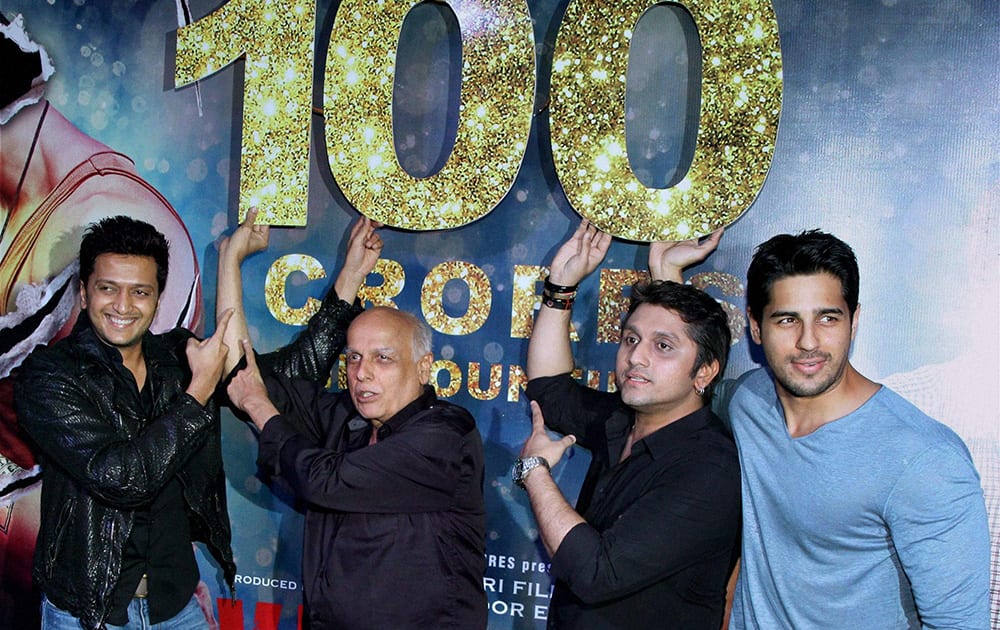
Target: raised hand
206 359
248 238
667 259
539 443
364 246
580 255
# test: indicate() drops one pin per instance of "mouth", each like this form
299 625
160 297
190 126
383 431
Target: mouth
809 365
635 378
120 322
364 396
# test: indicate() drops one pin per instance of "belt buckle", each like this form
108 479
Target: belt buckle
142 590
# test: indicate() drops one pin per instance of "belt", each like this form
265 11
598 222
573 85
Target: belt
142 590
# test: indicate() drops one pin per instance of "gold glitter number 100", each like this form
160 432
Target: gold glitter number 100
277 39
740 105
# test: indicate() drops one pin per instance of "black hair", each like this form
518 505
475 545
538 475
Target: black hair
705 321
126 236
808 253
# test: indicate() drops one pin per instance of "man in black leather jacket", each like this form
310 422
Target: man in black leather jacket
128 429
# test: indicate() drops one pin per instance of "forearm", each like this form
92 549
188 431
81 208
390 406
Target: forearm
554 515
313 352
122 472
229 294
549 349
348 283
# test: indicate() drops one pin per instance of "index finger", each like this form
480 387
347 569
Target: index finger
222 321
251 216
248 353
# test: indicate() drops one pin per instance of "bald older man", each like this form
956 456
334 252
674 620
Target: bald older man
391 477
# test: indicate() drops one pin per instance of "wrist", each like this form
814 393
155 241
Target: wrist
525 466
558 296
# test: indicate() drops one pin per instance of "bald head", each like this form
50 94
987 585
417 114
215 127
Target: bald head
388 361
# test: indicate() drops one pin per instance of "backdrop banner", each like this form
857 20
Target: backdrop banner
481 133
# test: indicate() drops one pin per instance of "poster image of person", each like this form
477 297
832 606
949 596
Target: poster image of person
54 181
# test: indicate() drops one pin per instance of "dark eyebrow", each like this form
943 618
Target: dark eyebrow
832 310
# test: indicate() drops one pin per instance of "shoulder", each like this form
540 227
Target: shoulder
910 430
450 416
752 389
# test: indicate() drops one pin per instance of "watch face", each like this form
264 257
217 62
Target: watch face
517 471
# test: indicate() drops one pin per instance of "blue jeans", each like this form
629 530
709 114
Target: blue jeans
189 618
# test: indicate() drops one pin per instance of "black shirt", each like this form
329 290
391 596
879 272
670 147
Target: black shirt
662 527
395 530
159 546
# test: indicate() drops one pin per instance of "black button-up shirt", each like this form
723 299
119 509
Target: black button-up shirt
395 531
662 527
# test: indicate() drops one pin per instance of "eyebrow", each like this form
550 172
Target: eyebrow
133 285
656 334
385 350
831 310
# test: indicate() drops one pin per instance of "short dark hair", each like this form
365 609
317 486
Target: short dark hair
808 253
128 237
705 321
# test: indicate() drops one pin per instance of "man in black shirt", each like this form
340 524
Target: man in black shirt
653 538
391 477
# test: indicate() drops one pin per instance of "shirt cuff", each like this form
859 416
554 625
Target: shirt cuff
577 546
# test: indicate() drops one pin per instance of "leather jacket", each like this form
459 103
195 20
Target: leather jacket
101 459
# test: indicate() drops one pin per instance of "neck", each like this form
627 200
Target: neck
134 360
806 414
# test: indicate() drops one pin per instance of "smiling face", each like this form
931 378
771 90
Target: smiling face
383 376
806 333
120 298
654 364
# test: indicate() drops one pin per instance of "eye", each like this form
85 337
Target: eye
384 358
630 340
663 345
353 357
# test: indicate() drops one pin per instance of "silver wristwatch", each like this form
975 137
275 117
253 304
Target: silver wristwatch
523 466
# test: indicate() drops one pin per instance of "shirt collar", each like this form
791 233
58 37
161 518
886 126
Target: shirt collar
666 438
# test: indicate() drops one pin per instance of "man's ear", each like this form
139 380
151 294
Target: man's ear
854 321
83 296
754 327
424 368
704 375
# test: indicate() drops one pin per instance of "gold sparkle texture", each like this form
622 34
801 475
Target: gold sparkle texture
454 377
277 279
494 113
277 39
480 298
613 302
393 281
740 105
492 388
517 382
730 286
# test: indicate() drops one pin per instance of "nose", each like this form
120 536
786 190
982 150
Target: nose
638 354
807 337
362 371
123 302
